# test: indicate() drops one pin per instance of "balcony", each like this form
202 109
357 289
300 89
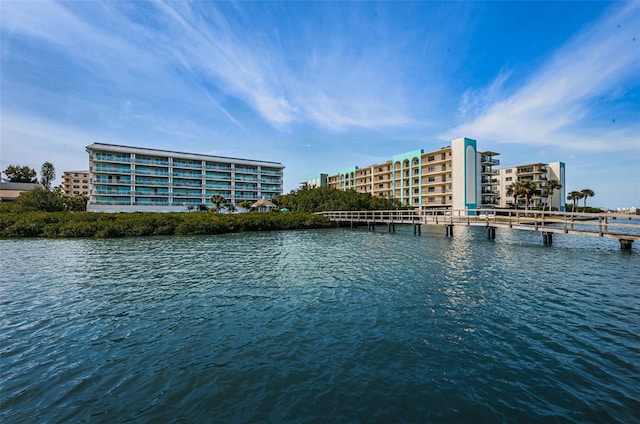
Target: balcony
112 202
247 178
112 192
218 167
155 162
151 193
113 181
489 172
486 160
184 174
103 157
225 193
151 183
187 194
150 202
152 171
186 184
113 169
216 176
185 164
247 170
267 171
217 185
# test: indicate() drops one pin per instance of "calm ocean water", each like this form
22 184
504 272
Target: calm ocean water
332 325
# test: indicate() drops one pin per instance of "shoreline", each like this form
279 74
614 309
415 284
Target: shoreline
143 224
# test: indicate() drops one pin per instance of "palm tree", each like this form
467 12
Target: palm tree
574 196
548 189
218 201
587 192
523 188
246 204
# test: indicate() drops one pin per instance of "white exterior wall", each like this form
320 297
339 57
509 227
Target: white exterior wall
464 161
556 171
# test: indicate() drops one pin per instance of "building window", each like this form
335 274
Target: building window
508 178
431 158
508 171
416 191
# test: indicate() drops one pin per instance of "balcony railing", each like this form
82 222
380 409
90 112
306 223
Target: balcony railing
152 203
113 182
486 159
162 172
113 169
151 183
187 174
266 171
114 192
151 193
112 158
112 202
246 170
218 167
157 162
210 176
182 164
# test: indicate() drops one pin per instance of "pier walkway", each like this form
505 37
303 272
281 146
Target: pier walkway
608 225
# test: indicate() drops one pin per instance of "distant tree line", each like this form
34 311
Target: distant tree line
320 199
136 224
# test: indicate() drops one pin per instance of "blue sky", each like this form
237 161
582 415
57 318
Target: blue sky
328 85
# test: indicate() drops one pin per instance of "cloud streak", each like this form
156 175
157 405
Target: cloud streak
563 95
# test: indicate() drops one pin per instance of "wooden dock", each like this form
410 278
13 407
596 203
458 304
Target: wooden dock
608 225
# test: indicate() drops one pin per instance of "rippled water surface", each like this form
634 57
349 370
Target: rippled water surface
333 325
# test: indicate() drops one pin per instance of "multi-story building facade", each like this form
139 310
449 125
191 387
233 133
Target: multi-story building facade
540 173
75 183
453 177
318 180
124 178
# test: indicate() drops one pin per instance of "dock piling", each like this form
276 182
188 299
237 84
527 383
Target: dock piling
625 244
547 238
448 230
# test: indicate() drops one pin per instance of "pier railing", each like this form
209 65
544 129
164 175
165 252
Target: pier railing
611 225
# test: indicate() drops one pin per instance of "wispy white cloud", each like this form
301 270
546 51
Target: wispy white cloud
555 105
334 91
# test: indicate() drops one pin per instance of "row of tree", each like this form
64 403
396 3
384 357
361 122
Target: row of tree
330 199
25 174
574 196
526 189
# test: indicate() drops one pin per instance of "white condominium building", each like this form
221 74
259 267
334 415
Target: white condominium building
124 179
540 173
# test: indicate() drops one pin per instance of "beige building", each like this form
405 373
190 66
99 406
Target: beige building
11 191
75 183
540 173
453 177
